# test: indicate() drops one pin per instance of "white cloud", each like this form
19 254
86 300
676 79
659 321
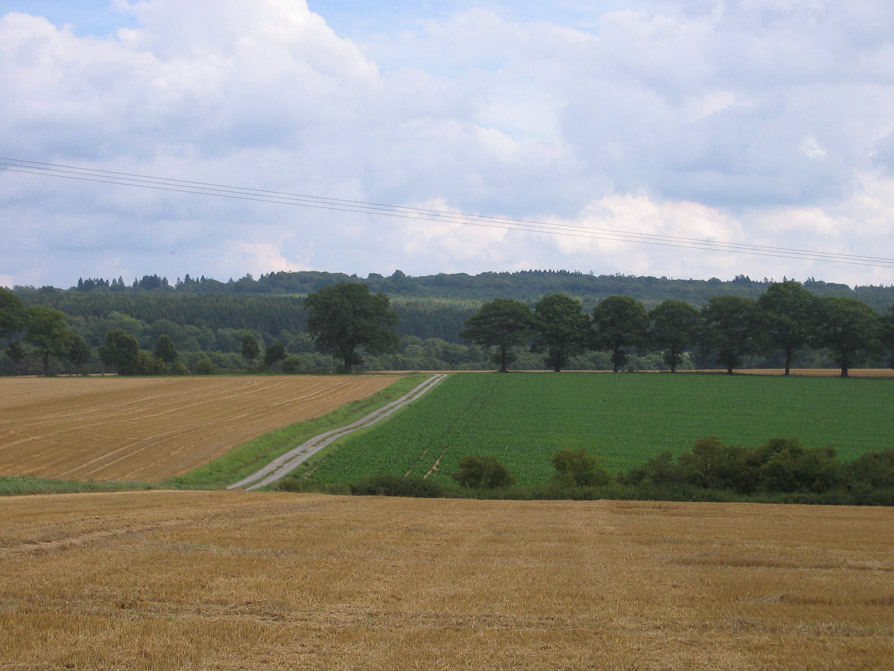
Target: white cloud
607 230
258 257
812 148
807 221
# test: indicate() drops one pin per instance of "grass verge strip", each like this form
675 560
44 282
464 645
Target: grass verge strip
17 486
249 457
286 463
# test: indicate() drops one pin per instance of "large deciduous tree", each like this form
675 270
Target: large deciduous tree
121 352
675 326
787 314
503 323
79 353
46 329
347 317
274 354
731 329
251 348
561 329
849 329
889 333
619 321
165 350
12 313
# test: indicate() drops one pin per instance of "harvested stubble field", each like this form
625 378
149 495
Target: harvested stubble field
236 580
152 428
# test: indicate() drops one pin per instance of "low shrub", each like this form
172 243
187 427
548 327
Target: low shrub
875 468
150 365
483 473
292 364
780 465
203 367
576 468
393 485
297 485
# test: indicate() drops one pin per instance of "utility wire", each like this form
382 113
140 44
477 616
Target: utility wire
422 214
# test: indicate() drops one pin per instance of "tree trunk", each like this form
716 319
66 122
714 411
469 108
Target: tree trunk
729 370
788 360
504 365
844 370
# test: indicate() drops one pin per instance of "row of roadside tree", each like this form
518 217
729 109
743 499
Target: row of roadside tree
786 318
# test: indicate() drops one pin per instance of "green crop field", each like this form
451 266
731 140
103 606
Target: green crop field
523 419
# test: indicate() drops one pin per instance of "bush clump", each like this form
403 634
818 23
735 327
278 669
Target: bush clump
204 367
576 468
483 473
781 465
292 364
393 485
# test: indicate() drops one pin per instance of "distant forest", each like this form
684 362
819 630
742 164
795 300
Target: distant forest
526 285
206 318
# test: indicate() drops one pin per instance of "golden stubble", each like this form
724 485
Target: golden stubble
152 428
236 580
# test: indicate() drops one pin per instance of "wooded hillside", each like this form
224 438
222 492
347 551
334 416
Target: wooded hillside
207 318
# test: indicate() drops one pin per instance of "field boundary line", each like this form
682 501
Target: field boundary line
286 463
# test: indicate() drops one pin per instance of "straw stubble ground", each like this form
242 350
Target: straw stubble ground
236 580
152 428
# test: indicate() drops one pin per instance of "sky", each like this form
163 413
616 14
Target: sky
688 139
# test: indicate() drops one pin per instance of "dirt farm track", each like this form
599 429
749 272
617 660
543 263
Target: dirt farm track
152 428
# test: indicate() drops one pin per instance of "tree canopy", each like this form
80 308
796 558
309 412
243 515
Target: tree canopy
889 333
79 353
620 321
47 330
251 348
561 329
12 313
346 317
166 350
849 328
274 354
788 311
121 352
730 329
503 323
675 326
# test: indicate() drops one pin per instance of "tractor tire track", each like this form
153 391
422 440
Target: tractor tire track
459 422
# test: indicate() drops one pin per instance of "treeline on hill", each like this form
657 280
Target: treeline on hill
779 471
205 322
528 286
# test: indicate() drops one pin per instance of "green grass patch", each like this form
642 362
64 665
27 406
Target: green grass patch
17 486
524 419
251 456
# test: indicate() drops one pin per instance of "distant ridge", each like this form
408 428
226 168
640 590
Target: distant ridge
525 285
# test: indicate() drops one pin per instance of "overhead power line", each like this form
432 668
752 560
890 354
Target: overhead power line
422 214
